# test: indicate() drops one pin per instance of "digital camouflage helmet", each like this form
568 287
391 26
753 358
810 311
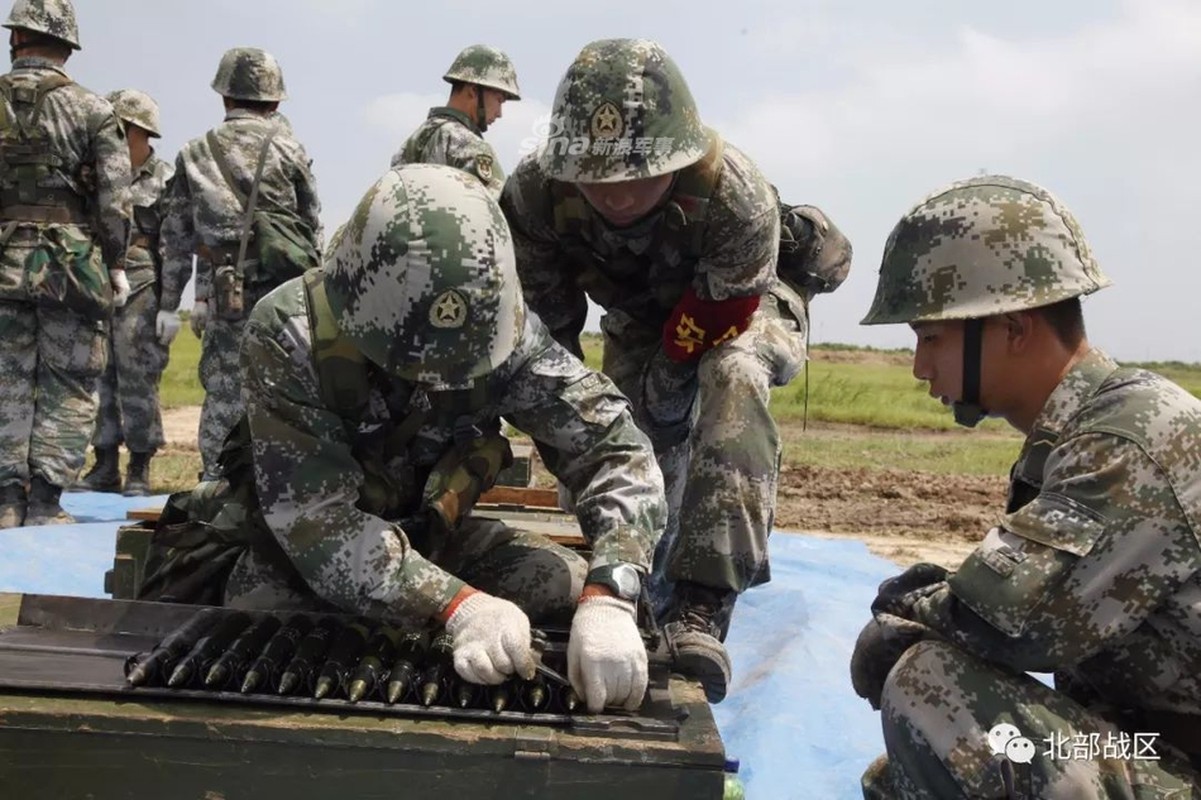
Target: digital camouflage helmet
623 111
136 108
979 247
423 279
249 73
485 66
52 17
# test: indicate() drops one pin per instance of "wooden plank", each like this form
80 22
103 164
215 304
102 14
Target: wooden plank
526 496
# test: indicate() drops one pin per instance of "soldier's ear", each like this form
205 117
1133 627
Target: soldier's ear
1019 326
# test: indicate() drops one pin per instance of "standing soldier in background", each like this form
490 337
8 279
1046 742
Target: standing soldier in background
482 78
238 192
140 337
64 212
676 234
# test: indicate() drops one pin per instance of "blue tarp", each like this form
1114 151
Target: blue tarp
791 719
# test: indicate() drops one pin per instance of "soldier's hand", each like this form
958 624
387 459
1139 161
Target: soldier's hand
491 640
880 645
606 659
166 326
199 318
120 286
897 595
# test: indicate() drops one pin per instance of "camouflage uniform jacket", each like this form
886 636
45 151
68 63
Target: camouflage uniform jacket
309 473
448 136
1095 573
642 271
149 182
83 130
200 210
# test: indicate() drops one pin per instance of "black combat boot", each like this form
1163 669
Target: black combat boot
43 504
137 475
12 505
104 476
695 628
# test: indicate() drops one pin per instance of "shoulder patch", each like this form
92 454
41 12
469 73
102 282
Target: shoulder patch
483 167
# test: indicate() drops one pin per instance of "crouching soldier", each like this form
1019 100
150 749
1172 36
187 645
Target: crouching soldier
374 389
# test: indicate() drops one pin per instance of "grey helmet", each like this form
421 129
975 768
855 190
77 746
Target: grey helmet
249 73
423 278
52 17
136 108
485 66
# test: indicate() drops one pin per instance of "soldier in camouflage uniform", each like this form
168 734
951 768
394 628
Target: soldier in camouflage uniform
140 336
632 202
204 214
387 372
1093 574
482 78
64 211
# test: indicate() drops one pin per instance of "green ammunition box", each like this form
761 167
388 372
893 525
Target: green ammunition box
71 728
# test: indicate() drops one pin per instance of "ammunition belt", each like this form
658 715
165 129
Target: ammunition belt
43 215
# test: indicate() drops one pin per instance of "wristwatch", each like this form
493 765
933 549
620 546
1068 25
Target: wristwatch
624 580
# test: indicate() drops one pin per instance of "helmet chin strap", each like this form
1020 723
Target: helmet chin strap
968 411
481 121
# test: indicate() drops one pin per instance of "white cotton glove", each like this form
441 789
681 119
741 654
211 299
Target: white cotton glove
199 318
491 640
120 286
606 659
166 325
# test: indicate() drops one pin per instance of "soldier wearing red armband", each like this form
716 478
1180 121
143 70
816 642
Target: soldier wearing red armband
632 202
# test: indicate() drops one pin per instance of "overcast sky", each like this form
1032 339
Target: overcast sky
855 106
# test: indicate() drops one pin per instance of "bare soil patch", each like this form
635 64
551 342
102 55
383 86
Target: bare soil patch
902 515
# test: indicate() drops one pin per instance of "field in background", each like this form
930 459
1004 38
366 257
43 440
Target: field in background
865 411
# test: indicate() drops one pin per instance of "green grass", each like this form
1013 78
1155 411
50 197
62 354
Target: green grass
877 395
181 383
881 395
950 453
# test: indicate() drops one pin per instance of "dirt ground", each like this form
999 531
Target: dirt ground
902 516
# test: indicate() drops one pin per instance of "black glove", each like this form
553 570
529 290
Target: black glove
880 645
897 595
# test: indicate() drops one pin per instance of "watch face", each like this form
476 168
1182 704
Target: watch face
627 580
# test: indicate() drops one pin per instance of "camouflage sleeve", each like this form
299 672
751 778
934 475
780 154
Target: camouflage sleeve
587 438
308 483
742 235
308 206
113 179
1075 570
550 289
458 147
177 240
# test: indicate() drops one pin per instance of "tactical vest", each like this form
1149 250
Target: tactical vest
28 163
665 270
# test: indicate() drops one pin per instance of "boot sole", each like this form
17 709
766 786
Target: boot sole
708 673
702 658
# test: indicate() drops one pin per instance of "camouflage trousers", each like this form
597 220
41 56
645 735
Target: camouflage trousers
715 439
543 578
129 404
939 706
221 377
50 359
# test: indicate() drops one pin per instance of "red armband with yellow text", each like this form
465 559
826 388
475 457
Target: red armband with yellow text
697 326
